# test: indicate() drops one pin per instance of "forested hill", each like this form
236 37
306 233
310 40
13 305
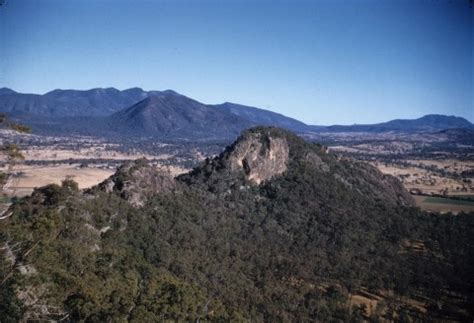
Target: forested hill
274 229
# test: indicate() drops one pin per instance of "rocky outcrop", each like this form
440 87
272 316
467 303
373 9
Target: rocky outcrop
259 156
263 154
137 181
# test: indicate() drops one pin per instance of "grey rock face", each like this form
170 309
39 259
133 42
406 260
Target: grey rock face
138 181
260 157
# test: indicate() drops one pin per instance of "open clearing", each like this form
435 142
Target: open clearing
427 181
88 161
96 152
29 177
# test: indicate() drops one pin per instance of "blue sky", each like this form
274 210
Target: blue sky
323 62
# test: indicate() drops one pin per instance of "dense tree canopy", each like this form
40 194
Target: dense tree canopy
218 247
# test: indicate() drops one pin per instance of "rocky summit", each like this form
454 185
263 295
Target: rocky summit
264 153
259 155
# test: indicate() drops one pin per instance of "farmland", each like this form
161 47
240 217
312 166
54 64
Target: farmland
88 161
430 166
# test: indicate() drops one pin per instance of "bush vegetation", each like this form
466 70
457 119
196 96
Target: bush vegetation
220 248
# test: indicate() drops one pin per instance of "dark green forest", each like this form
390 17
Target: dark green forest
215 246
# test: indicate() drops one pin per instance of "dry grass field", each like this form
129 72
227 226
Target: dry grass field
451 165
426 164
419 176
26 178
52 163
426 181
96 152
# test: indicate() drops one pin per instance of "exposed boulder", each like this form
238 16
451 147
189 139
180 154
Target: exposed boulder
137 181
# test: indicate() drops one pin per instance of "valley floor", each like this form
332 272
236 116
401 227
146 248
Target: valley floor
438 170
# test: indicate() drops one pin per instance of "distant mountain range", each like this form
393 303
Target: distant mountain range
138 113
431 122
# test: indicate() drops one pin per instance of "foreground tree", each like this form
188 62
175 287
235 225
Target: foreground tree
11 154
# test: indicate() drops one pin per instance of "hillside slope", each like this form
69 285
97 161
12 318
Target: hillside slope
177 115
264 117
134 112
274 229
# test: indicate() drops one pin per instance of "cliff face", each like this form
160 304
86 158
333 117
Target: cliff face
259 156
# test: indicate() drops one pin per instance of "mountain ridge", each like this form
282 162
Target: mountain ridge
170 113
428 122
103 112
264 117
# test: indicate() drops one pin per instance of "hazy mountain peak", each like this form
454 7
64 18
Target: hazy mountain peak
5 90
111 89
427 123
151 100
441 117
169 91
164 113
134 90
434 121
54 91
